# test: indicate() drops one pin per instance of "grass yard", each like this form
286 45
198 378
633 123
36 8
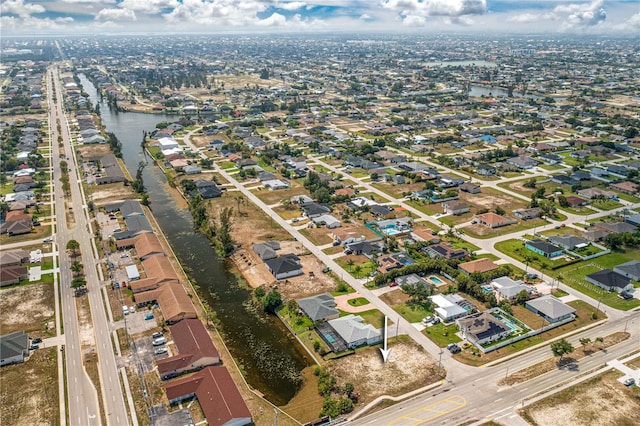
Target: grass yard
358 301
272 197
607 204
428 209
362 266
317 236
481 231
442 334
516 249
287 213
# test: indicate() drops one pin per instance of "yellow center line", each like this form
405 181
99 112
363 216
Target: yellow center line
456 402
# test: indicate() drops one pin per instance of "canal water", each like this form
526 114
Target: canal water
269 356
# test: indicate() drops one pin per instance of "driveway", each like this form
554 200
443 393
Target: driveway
342 303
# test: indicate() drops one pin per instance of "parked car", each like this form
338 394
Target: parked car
156 335
149 316
159 341
160 351
36 340
626 296
47 240
34 347
465 345
453 348
629 382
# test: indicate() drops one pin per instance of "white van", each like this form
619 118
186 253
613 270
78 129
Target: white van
125 310
159 341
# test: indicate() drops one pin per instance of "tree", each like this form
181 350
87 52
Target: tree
561 348
531 183
73 246
562 201
271 302
585 341
350 264
613 241
78 282
522 297
76 267
499 210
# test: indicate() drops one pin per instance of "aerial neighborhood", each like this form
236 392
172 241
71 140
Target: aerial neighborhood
253 235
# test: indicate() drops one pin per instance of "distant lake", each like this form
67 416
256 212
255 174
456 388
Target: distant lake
460 64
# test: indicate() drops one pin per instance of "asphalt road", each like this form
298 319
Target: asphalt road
83 399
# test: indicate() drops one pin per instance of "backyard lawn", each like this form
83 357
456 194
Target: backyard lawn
515 248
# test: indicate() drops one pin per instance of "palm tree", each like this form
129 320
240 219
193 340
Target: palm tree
76 267
73 246
350 263
357 270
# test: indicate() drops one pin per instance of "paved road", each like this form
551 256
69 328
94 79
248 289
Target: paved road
81 393
111 389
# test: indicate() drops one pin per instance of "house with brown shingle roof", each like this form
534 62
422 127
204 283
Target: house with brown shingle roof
455 207
195 349
492 220
217 395
147 245
625 187
478 265
173 300
159 270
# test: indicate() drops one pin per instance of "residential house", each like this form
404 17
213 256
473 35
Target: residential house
551 158
16 227
526 214
486 170
312 210
14 348
543 248
424 234
347 236
471 188
492 220
574 201
598 173
206 189
625 187
321 307
449 306
482 328
629 269
267 250
615 227
380 211
594 235
412 280
634 219
479 265
509 289
446 251
610 280
284 266
218 396
592 193
564 180
194 346
618 170
362 247
568 242
455 208
10 275
445 181
355 332
550 308
13 258
522 162
327 220
387 263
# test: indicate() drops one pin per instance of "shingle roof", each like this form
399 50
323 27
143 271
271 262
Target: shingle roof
543 246
13 344
631 268
318 307
608 278
550 306
352 329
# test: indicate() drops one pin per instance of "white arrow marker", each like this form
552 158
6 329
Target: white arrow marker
384 350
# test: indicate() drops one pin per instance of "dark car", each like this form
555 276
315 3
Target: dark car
36 340
453 348
626 296
34 347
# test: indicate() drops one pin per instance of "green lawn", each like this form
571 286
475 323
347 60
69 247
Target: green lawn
459 243
412 312
496 232
516 249
606 204
442 334
358 301
587 251
429 209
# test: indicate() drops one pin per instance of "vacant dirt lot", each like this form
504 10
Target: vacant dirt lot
600 401
28 307
29 391
407 368
490 199
240 81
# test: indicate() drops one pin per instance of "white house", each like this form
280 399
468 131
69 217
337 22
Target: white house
448 306
354 332
329 221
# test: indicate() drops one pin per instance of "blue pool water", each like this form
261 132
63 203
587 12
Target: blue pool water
486 289
329 338
436 280
508 323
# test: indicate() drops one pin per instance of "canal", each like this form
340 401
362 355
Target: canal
270 358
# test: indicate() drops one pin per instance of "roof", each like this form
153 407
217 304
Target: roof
543 246
13 256
479 265
609 278
492 218
175 303
193 343
130 207
13 344
217 394
138 223
568 241
632 268
504 282
456 205
284 264
482 325
411 279
147 244
318 307
618 227
550 306
352 329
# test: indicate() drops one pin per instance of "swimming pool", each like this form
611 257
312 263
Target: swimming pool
329 338
487 289
507 322
436 280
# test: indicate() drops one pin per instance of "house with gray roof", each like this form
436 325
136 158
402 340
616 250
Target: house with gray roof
629 269
285 266
319 308
568 242
14 348
508 289
411 279
355 332
610 280
550 308
267 250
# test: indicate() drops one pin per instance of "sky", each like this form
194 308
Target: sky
25 17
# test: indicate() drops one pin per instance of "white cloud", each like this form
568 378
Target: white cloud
89 1
415 12
582 15
529 17
275 20
20 8
365 17
293 5
148 6
116 15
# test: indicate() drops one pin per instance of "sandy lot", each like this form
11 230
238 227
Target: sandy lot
600 401
407 368
28 308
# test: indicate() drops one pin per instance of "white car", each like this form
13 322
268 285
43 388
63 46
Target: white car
160 351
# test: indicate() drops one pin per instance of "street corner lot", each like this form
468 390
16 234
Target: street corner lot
599 401
408 367
29 308
313 282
